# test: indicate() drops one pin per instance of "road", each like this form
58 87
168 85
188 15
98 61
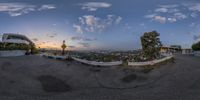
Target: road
38 78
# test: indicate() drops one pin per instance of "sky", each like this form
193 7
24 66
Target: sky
101 24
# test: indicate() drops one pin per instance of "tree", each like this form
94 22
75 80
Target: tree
63 47
151 45
196 46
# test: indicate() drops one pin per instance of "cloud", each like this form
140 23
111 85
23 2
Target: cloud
194 6
180 16
196 37
79 38
167 9
171 20
160 19
51 35
164 10
169 6
90 23
167 13
78 28
47 7
150 16
192 25
17 9
93 6
72 47
194 15
35 39
155 17
118 20
91 20
84 44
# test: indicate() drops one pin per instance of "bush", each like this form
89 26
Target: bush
196 46
14 46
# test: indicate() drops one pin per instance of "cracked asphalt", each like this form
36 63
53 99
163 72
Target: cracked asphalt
39 78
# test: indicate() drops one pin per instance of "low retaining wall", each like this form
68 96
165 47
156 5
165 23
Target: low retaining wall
197 53
98 63
149 62
12 53
54 56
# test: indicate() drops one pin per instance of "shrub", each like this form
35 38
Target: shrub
196 46
14 46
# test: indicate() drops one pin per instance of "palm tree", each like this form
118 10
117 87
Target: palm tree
63 47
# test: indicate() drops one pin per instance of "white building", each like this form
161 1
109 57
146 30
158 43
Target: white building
9 38
16 38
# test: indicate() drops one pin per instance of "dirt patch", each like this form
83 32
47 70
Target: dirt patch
53 84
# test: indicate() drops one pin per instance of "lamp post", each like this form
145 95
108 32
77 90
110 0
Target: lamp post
63 47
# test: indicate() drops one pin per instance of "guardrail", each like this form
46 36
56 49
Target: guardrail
149 62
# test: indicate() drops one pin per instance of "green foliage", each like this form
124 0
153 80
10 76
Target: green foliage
100 57
14 46
196 46
151 45
35 50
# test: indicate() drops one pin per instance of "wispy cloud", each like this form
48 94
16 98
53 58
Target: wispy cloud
93 6
118 20
180 16
84 44
52 35
196 37
78 28
90 23
167 9
35 39
167 13
83 38
17 9
47 7
160 19
193 6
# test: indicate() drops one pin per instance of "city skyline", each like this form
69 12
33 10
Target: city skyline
102 24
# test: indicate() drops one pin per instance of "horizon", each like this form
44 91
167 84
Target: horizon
101 24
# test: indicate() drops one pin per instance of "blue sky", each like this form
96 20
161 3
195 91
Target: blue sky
101 24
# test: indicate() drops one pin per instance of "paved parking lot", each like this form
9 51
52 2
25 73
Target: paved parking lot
38 78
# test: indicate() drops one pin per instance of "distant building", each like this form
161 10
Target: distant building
15 45
175 49
166 49
16 38
187 51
